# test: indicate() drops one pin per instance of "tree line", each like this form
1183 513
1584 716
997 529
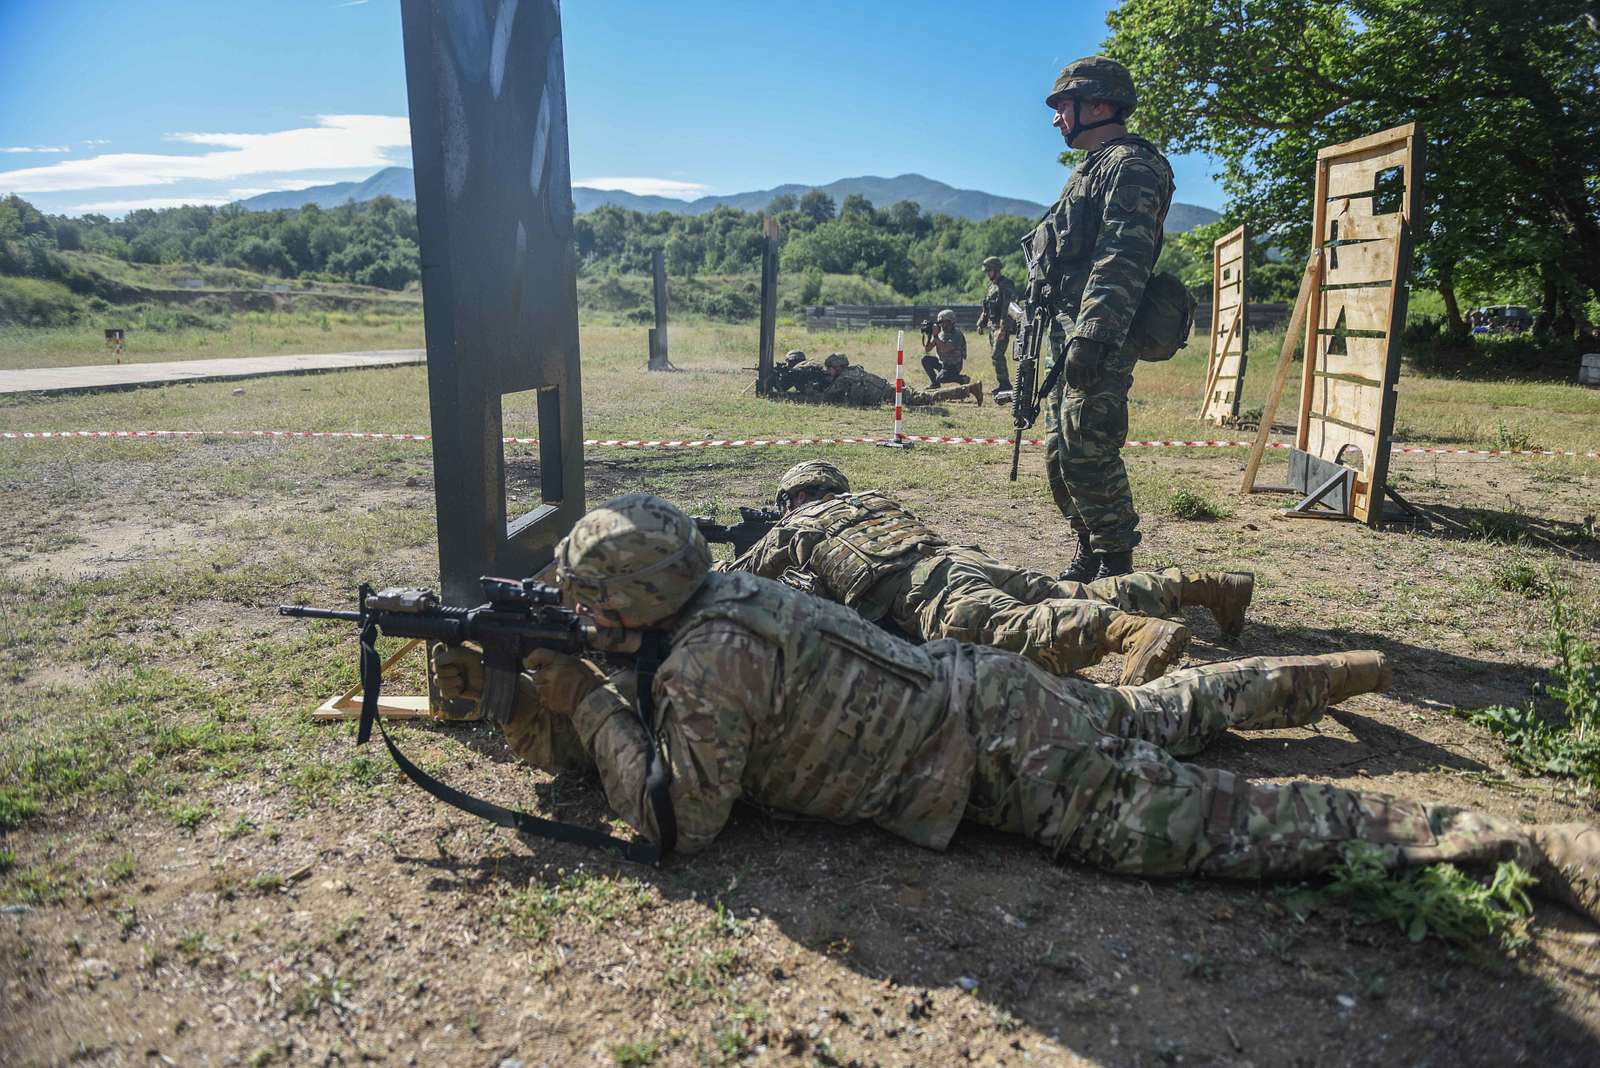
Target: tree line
1507 96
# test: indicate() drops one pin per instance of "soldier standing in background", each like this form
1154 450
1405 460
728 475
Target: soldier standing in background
995 317
800 705
1095 250
946 349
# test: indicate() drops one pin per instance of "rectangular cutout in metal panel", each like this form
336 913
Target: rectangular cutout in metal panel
531 484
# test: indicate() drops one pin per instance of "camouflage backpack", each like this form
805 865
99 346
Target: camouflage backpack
1163 321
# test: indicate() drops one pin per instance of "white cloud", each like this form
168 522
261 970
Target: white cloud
351 3
37 148
122 207
644 187
337 141
94 142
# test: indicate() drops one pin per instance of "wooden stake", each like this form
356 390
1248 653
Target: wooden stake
1309 281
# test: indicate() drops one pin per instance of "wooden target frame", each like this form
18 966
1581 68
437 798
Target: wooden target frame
1353 304
1230 331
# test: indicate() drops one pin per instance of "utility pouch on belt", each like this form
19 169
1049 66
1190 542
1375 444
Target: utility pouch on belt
1161 325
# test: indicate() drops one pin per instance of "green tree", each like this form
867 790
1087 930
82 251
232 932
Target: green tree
817 206
1506 92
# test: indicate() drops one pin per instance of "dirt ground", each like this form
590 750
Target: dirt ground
286 900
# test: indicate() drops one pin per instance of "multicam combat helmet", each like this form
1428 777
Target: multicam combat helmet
836 359
813 477
1095 78
993 261
637 557
793 356
946 316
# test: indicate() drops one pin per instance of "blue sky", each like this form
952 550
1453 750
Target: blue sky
115 105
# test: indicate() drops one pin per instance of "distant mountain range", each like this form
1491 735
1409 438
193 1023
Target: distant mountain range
935 197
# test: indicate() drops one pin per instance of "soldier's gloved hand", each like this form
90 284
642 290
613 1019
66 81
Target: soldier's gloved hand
458 672
1085 359
563 681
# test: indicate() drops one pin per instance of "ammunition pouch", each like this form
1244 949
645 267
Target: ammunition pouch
1163 321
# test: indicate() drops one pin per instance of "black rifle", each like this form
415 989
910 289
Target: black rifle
1025 399
752 527
518 617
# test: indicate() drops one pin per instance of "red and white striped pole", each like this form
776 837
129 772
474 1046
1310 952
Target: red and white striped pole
899 384
899 441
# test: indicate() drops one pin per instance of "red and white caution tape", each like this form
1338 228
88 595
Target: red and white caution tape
720 443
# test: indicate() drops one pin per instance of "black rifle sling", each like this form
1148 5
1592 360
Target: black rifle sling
657 781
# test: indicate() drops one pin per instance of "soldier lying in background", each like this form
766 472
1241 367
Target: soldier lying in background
838 381
796 704
867 552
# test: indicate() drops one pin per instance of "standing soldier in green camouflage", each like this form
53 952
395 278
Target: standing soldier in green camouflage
995 317
946 350
1091 257
800 705
867 552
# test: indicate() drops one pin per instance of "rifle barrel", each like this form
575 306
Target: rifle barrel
301 611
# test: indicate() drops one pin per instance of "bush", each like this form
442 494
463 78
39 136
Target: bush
36 302
729 305
1429 347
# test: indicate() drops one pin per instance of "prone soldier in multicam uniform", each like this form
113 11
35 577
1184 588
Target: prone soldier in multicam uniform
853 386
945 347
800 705
1095 250
996 317
869 553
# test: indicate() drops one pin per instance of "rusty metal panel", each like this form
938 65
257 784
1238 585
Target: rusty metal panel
494 214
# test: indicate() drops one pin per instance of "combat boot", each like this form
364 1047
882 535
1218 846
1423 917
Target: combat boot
1149 646
1570 870
1114 564
977 393
1225 594
1356 672
1085 566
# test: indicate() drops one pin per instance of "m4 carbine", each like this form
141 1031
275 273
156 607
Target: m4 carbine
518 617
1026 399
752 527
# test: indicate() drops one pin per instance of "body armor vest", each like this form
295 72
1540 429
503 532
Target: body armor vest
866 538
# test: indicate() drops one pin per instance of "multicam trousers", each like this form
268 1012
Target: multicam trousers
966 594
1088 771
1084 435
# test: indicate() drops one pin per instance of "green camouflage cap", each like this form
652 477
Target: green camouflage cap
1094 78
814 475
836 359
637 556
946 316
992 261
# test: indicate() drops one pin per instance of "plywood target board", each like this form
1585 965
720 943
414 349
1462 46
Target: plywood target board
1230 337
1366 197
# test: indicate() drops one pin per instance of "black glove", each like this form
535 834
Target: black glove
1085 359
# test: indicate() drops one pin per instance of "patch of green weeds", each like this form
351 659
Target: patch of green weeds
121 869
593 899
190 817
1516 575
1567 744
242 828
1438 900
1195 505
324 991
1513 437
1199 966
635 1054
267 883
194 945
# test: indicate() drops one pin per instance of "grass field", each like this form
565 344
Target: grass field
194 870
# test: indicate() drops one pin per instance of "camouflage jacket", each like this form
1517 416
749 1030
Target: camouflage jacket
1098 243
996 300
856 387
952 348
850 545
805 377
796 704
